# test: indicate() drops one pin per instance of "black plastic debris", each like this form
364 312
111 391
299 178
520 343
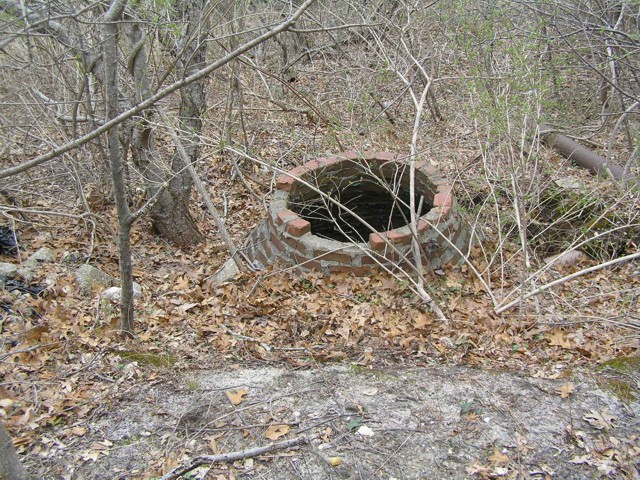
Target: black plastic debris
13 284
8 241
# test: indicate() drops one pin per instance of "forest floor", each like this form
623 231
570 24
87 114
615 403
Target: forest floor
547 390
272 356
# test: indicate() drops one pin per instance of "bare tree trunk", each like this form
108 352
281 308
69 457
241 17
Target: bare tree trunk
10 466
125 219
170 214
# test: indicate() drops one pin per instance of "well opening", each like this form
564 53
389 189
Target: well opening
373 203
306 229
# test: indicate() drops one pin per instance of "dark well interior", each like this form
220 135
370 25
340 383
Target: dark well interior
373 203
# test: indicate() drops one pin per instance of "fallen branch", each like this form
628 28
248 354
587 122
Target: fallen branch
231 457
566 278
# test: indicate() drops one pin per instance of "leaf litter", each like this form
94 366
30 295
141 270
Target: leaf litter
64 365
67 373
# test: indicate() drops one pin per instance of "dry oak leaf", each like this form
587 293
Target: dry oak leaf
558 339
477 469
274 432
236 396
498 457
566 390
602 420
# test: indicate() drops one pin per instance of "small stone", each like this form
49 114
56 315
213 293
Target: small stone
225 273
365 431
43 255
115 293
87 276
7 270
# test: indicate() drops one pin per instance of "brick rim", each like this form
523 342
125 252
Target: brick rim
289 236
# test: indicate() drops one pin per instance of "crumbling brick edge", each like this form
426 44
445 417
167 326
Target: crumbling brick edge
286 237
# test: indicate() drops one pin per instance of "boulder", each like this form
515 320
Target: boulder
88 276
43 255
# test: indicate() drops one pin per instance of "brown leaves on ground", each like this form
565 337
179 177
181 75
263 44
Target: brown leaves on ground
62 355
236 396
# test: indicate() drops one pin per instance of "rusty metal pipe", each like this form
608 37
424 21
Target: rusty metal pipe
581 156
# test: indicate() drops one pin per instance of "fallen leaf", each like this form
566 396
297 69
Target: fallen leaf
236 396
354 424
580 460
498 457
558 339
186 306
566 390
478 469
602 420
78 431
274 432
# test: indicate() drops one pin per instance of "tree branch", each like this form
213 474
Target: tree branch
231 457
7 172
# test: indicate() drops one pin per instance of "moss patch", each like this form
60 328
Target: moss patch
152 359
623 364
621 377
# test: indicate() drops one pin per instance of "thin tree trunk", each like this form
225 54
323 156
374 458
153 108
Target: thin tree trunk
125 219
170 213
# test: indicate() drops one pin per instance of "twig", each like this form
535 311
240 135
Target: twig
567 278
232 456
266 346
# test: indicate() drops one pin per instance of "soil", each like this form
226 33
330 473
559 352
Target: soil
426 422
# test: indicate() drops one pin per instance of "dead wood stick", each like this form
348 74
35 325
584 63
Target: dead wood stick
566 278
231 456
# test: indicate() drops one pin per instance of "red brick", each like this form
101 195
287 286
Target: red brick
267 247
298 227
445 189
442 212
277 243
295 244
392 256
298 171
350 155
326 161
399 238
306 262
357 271
385 156
377 242
262 258
285 216
311 165
286 183
367 260
423 226
443 199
